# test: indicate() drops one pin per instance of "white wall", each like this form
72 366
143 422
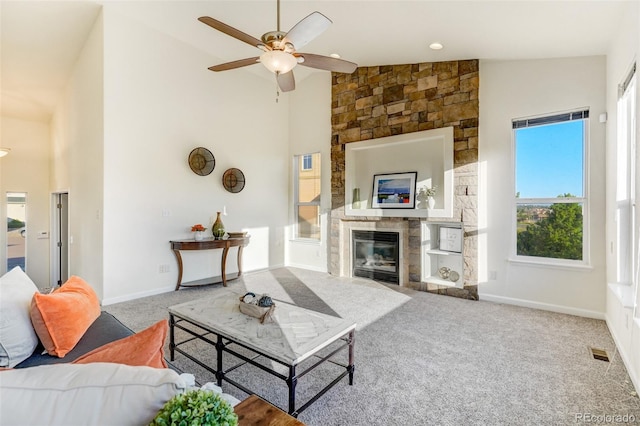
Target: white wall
309 132
620 319
26 169
514 89
77 166
160 102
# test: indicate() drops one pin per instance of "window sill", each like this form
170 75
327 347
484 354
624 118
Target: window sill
551 265
624 293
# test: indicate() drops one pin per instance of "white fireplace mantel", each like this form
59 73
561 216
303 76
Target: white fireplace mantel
430 153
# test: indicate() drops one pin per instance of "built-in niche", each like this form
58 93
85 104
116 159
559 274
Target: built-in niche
429 153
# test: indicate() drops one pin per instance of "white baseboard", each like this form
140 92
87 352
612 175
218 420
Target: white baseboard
635 379
308 267
133 296
543 306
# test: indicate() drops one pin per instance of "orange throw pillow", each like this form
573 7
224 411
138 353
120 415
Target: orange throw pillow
141 349
61 318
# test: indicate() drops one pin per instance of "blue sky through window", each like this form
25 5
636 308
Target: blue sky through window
549 160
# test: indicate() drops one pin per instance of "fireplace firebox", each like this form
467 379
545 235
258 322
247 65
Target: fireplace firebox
376 255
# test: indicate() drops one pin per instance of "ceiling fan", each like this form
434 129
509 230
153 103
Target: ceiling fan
280 49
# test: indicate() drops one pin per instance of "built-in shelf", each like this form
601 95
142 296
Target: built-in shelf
443 252
433 258
440 281
429 153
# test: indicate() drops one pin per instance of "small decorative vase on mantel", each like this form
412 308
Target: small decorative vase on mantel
218 228
432 202
199 235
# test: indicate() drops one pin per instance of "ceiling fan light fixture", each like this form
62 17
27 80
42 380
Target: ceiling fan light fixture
278 61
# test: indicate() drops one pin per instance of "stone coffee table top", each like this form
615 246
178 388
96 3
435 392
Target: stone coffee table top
294 334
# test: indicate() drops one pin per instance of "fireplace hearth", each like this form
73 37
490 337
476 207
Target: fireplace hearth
376 255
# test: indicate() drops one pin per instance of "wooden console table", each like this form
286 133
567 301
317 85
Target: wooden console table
209 244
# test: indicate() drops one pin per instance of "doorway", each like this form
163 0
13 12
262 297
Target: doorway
16 230
60 238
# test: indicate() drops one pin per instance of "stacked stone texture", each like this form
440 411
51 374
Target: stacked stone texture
387 100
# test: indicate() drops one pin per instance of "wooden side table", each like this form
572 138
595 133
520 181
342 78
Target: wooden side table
209 244
255 411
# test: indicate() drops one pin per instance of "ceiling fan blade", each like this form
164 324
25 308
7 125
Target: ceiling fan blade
229 30
235 64
307 29
286 82
327 63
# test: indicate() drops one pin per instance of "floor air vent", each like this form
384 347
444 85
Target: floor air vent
599 354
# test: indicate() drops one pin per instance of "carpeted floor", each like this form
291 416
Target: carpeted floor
428 359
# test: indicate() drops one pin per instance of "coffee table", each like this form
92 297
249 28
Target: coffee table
295 335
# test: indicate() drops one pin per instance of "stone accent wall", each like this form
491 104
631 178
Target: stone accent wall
386 100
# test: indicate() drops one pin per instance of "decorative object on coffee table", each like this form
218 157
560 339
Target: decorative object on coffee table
218 228
233 180
201 161
257 306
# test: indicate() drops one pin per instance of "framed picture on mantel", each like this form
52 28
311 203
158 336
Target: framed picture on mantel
394 190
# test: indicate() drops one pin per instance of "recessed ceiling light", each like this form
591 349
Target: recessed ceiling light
436 46
335 55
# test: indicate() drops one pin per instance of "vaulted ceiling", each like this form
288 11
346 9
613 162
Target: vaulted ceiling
40 40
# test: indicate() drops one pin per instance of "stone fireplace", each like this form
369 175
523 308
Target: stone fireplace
381 101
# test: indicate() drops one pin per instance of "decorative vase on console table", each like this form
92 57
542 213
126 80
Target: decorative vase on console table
218 228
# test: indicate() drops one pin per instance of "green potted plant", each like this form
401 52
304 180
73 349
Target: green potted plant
194 408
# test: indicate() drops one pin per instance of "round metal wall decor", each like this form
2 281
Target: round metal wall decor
233 180
202 161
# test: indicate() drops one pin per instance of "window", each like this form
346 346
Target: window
625 181
307 162
550 199
307 196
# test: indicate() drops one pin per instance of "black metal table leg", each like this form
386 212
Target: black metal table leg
292 381
351 366
172 340
219 349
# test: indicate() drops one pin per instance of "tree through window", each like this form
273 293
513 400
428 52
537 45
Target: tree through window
550 192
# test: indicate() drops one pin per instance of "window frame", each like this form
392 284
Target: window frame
626 141
303 159
585 262
298 162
